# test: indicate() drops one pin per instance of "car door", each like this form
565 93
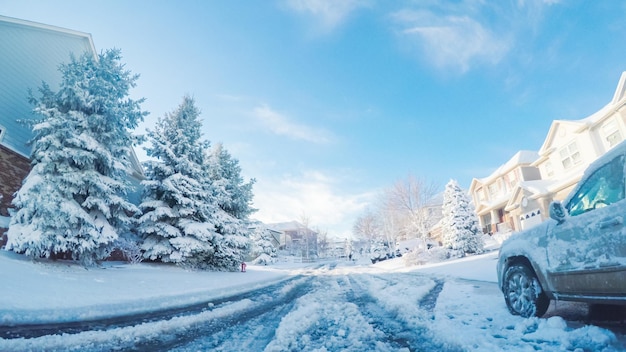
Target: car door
587 251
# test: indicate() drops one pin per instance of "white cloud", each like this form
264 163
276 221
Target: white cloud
281 125
313 194
329 14
452 41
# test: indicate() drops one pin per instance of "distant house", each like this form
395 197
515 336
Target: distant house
296 238
492 193
433 212
30 53
569 147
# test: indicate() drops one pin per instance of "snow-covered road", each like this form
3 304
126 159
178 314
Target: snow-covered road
348 308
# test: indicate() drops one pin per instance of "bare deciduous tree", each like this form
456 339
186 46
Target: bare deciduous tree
402 212
367 226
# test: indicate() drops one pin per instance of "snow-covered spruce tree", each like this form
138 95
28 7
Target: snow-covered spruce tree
461 235
178 224
233 198
233 194
182 220
73 200
263 249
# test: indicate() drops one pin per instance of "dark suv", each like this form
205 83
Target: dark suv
577 255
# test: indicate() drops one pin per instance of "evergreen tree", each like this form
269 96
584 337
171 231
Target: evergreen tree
178 223
263 250
233 195
461 235
183 220
73 200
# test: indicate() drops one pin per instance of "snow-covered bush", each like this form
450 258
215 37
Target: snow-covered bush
420 257
264 259
74 198
263 248
130 250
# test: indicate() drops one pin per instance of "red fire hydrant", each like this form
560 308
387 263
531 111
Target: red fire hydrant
243 267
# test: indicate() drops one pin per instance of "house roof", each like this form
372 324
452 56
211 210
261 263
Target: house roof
591 120
521 158
288 226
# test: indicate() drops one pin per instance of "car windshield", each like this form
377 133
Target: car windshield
603 187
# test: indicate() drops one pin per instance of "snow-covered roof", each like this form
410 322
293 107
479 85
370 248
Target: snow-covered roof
521 158
285 226
591 120
288 226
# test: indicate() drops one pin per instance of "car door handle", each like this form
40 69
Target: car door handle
607 223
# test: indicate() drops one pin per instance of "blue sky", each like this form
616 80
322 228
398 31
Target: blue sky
326 102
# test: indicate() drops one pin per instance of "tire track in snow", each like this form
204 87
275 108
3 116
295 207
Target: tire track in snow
398 332
38 330
248 329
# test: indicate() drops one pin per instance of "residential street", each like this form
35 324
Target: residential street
345 307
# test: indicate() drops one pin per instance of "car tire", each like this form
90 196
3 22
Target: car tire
523 293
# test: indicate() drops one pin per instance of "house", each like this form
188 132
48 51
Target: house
296 238
30 53
433 213
569 147
492 193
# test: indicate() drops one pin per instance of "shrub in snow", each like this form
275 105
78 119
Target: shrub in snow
264 259
130 250
182 220
460 231
262 247
73 200
420 257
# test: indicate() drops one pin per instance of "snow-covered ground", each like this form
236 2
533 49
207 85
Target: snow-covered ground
342 306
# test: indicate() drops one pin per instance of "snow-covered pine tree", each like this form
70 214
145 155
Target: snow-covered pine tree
233 198
73 200
178 223
461 235
233 194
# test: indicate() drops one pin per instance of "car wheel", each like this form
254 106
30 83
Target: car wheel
523 293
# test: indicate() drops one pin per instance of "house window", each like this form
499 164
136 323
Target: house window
611 133
493 190
570 155
2 129
549 170
480 194
511 179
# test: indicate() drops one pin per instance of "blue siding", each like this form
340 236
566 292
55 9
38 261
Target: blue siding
30 54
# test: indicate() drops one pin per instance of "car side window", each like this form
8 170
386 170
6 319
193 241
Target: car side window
603 187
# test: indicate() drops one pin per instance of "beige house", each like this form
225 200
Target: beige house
492 193
296 238
506 203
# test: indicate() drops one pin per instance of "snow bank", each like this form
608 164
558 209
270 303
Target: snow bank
488 326
48 291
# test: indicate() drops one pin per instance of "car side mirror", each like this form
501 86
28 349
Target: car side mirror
557 212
